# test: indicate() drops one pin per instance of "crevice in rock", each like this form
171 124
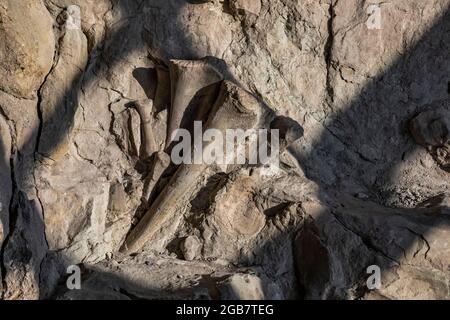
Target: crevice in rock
111 125
328 53
366 241
40 95
350 147
423 239
60 35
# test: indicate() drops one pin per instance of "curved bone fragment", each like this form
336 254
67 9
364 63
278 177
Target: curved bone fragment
235 108
189 80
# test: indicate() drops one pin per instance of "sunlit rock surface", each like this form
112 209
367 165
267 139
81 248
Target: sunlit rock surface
90 92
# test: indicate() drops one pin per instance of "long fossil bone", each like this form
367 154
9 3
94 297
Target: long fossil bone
234 108
189 80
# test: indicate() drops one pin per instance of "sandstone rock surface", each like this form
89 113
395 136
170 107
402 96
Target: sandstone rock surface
91 91
27 46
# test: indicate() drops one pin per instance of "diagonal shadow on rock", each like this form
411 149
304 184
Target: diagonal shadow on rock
375 229
116 47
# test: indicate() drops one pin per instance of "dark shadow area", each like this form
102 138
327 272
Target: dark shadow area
112 50
101 285
144 77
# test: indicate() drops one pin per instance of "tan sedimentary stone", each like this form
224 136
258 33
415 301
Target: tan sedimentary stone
59 94
27 46
248 6
353 88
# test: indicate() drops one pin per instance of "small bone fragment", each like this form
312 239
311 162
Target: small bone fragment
191 247
235 108
188 78
126 129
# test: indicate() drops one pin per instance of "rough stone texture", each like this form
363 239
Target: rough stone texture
431 129
5 169
363 178
27 46
147 276
59 92
191 248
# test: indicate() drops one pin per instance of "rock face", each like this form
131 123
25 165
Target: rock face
91 93
431 129
60 91
28 45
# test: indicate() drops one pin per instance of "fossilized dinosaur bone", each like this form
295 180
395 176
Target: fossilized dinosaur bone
145 109
234 108
189 79
160 162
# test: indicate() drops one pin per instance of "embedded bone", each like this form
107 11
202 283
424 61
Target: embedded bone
126 129
235 210
189 80
160 162
235 108
145 110
190 248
